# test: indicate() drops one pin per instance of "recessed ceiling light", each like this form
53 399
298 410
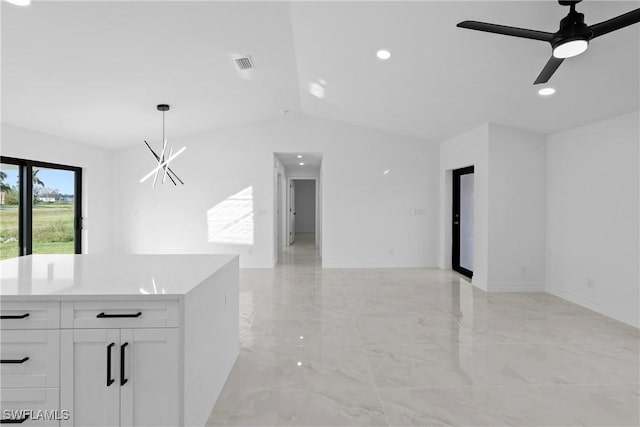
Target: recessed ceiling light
20 2
383 54
301 163
547 91
386 172
299 156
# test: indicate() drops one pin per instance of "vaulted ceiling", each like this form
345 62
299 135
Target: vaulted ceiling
94 71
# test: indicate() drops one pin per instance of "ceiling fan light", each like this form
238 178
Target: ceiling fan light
570 48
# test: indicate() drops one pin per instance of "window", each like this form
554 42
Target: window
40 208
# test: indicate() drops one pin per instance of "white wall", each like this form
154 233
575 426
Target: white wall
592 216
279 222
305 201
97 177
516 210
469 148
293 172
367 215
509 168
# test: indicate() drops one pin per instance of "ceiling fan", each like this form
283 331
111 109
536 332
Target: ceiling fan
571 39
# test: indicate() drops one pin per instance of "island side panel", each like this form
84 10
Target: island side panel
211 340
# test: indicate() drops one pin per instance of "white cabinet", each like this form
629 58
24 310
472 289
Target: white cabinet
112 350
30 363
150 396
31 406
126 377
30 358
120 314
30 315
88 358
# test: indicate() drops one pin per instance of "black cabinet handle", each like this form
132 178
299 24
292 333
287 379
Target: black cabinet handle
107 316
15 421
109 379
17 316
24 359
123 380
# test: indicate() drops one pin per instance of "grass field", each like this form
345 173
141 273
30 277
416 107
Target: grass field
52 229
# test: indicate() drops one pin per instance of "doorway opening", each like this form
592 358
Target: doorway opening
303 209
298 201
462 221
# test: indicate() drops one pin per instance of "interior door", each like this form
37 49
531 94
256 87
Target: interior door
462 216
90 365
292 213
148 378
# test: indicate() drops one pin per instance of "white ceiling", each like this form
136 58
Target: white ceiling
291 162
94 71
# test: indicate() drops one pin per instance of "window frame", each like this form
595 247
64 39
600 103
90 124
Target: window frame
25 208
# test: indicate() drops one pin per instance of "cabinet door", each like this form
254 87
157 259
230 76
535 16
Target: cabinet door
90 366
150 395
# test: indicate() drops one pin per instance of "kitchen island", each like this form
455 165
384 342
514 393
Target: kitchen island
116 340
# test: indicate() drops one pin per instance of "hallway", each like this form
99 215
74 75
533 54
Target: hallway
350 347
303 253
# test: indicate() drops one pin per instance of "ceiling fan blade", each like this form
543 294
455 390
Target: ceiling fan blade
548 70
616 23
507 31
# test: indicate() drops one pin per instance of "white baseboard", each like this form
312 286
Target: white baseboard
515 287
386 263
632 319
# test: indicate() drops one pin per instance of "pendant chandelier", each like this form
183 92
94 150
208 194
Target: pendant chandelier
163 163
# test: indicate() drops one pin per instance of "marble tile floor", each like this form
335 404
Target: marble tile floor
420 347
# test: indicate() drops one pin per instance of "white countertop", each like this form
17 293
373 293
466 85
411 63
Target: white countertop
71 276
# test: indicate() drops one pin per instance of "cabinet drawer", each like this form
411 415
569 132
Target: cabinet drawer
41 405
30 358
119 314
30 315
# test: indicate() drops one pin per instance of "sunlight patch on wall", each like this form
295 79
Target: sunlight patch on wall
231 221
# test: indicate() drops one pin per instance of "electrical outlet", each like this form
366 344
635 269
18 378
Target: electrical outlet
590 283
391 251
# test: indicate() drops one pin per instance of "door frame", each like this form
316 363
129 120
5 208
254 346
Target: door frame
455 221
279 233
291 220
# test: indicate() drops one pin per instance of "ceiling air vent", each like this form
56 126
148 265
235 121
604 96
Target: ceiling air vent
245 63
